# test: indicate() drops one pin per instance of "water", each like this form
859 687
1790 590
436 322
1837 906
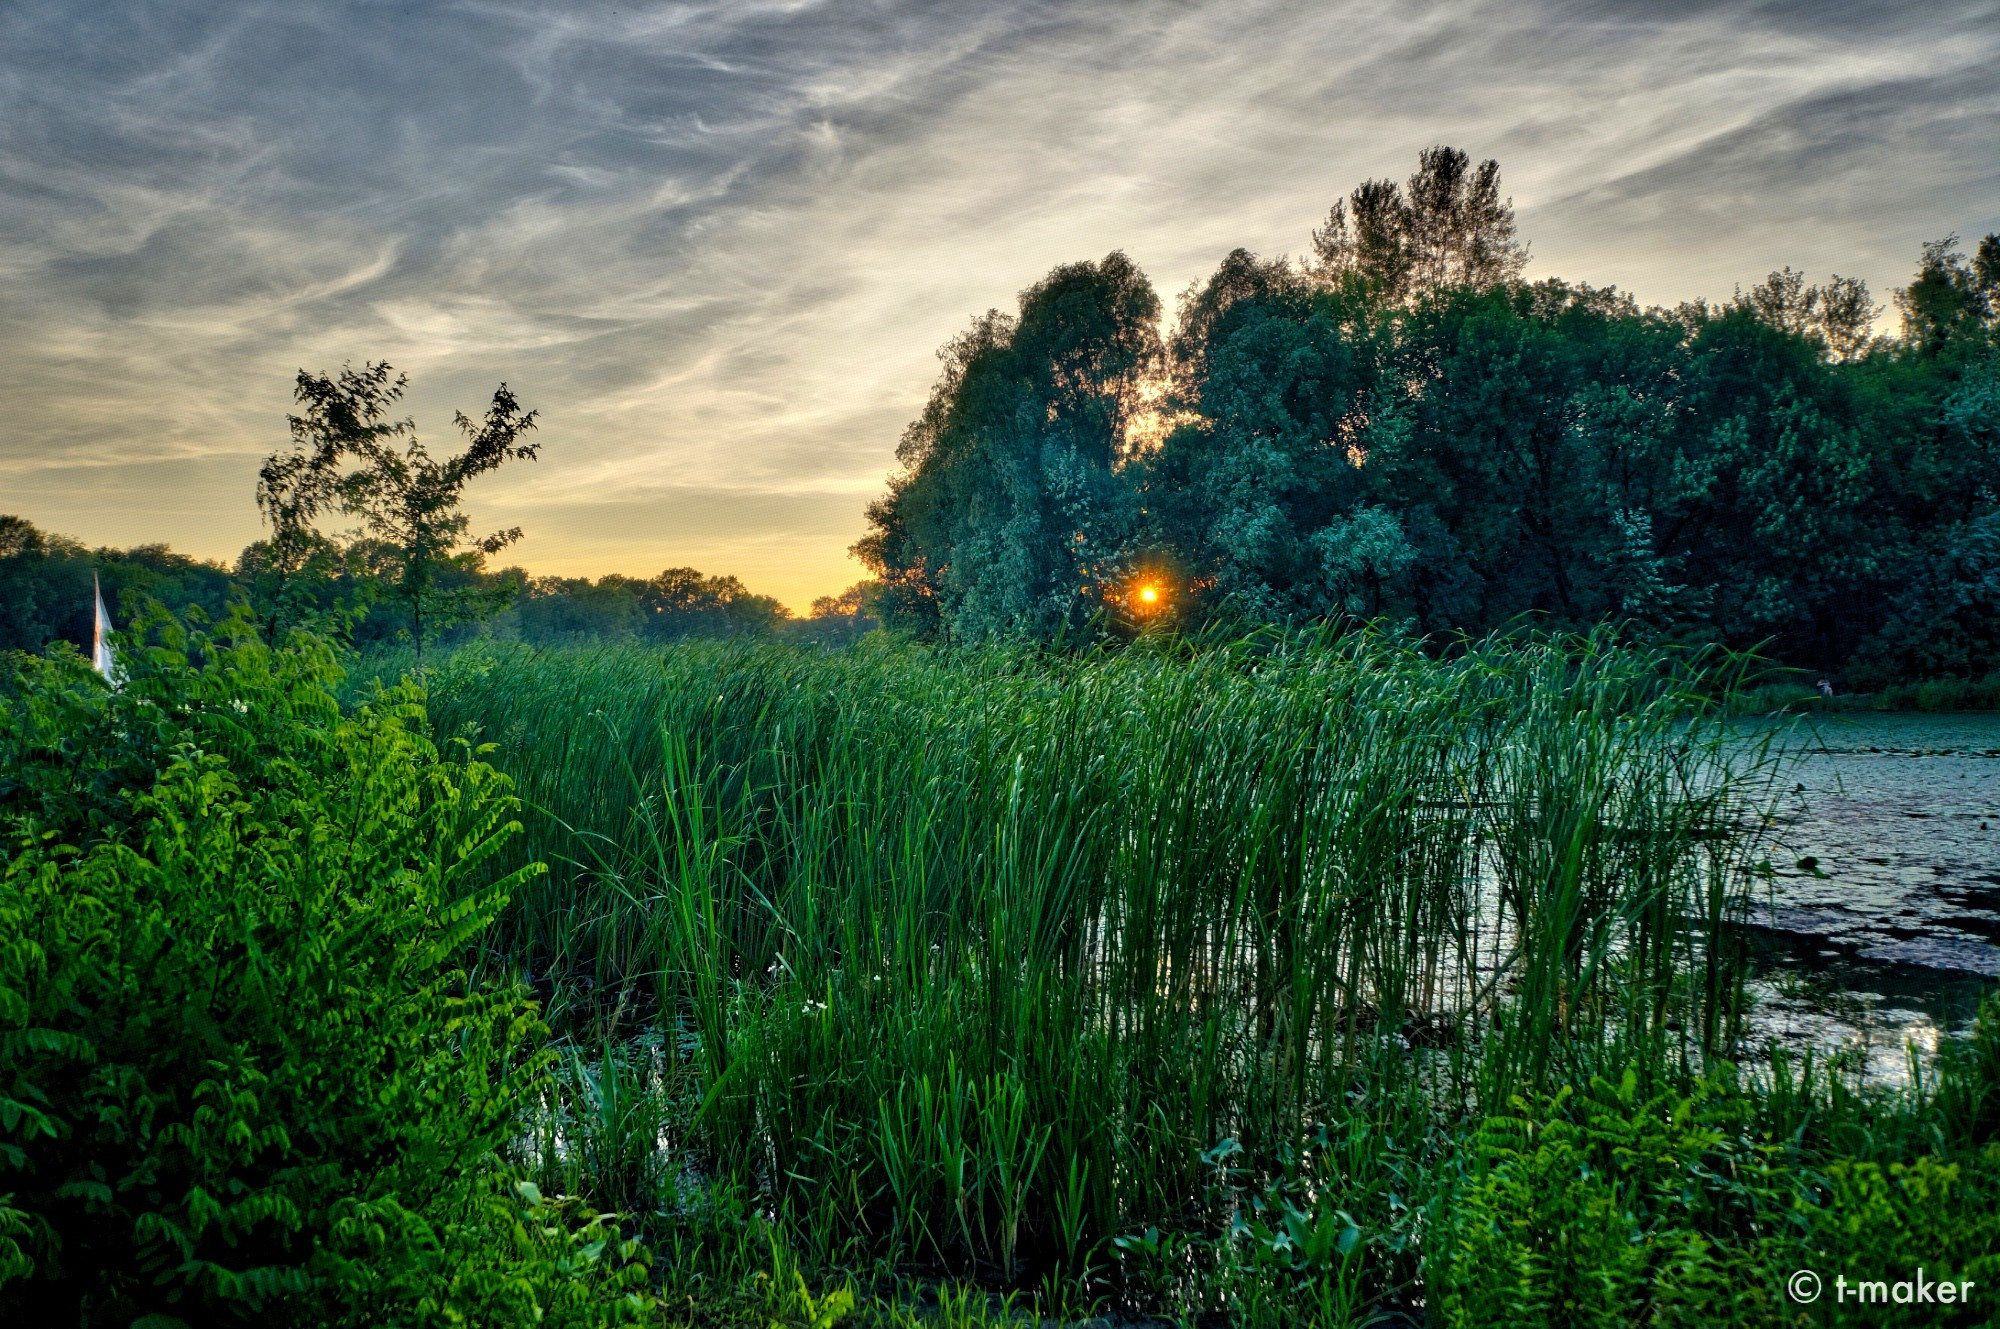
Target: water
1880 924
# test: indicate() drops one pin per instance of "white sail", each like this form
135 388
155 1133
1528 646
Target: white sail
100 635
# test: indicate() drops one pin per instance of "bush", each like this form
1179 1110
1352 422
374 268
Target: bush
1948 624
242 1078
1885 1222
1611 1207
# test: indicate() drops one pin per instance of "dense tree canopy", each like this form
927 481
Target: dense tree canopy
679 602
1401 427
1013 512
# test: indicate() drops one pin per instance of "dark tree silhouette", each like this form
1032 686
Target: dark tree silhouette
352 455
1449 227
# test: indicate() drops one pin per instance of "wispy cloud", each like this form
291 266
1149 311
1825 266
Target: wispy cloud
718 242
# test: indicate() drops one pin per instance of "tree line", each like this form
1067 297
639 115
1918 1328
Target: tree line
1400 427
408 573
45 597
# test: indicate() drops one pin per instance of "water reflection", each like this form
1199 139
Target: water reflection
1880 922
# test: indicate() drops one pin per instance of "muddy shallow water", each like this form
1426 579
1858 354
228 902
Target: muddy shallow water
1880 923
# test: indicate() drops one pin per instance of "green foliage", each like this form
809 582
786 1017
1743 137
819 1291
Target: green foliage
242 1076
1948 627
1307 981
958 965
45 584
1331 1235
1839 316
1399 429
1448 228
1880 1222
1947 307
598 1130
1011 518
408 500
1265 497
1403 429
1612 1207
1968 1092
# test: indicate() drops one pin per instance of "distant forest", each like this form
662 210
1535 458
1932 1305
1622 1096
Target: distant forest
1395 428
407 573
1398 427
45 585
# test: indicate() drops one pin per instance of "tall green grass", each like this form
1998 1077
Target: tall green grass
975 956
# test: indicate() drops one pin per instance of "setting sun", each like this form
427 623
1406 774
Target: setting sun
1148 598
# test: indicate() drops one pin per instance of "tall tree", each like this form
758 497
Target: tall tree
1377 249
1840 315
350 453
1403 428
1013 515
1461 232
1950 306
1784 301
1847 315
1281 375
342 417
1449 227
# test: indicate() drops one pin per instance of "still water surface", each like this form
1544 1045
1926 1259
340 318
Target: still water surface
1880 923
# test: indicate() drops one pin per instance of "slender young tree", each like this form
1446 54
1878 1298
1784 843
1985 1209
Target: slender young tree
1376 248
340 417
352 455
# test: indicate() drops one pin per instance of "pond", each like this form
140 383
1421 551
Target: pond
1880 922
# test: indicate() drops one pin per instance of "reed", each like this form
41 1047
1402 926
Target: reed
975 955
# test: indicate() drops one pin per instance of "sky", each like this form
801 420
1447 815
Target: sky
718 244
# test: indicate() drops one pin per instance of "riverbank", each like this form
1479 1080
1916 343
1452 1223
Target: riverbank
1800 695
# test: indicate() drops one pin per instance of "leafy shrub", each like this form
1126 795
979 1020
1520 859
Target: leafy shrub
1318 1242
1609 1207
1948 624
242 1078
1614 1208
1884 1222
